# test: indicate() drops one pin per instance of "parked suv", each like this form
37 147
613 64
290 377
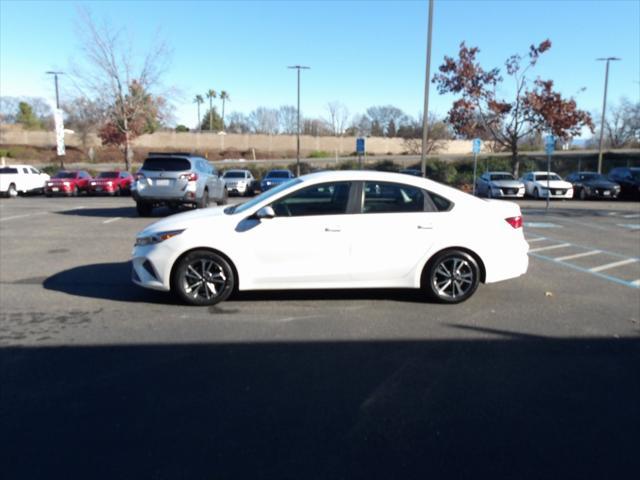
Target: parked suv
15 179
629 181
240 182
175 179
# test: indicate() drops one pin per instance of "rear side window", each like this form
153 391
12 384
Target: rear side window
382 197
8 170
155 164
441 203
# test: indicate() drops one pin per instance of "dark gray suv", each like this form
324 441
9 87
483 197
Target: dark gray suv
175 179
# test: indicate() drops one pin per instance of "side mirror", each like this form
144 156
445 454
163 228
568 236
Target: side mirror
265 212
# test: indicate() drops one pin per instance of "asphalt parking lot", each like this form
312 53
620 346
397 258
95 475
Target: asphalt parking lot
530 375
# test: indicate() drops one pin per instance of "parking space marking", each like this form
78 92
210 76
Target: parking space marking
636 283
536 239
112 219
541 225
26 215
550 247
577 255
633 215
613 265
630 226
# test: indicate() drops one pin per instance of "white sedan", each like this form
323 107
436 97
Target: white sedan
349 229
541 185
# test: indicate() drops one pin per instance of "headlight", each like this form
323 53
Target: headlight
157 237
66 184
109 183
93 183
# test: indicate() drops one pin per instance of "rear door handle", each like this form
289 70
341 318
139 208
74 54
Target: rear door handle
332 229
425 227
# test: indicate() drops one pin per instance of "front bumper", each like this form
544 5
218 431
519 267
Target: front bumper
58 190
151 266
507 192
602 193
557 193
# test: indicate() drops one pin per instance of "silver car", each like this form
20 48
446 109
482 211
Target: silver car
175 179
239 181
499 185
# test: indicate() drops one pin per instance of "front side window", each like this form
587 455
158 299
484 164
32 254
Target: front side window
382 197
322 199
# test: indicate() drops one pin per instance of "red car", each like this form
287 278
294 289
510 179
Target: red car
112 183
68 182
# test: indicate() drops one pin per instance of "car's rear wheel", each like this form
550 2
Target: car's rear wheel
203 277
452 277
144 209
583 194
12 192
204 201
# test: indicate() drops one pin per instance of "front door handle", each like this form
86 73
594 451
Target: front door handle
332 229
425 227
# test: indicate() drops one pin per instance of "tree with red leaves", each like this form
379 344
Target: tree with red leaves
535 107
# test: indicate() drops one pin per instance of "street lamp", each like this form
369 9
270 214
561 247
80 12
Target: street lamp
55 77
604 106
425 113
298 67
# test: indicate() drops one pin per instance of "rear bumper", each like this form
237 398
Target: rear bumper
185 199
510 261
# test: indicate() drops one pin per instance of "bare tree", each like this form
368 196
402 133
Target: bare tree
264 120
338 117
238 123
84 116
622 124
112 73
288 119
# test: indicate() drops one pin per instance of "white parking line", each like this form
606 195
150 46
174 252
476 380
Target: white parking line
630 226
633 215
613 265
550 247
577 255
636 283
537 239
4 219
112 219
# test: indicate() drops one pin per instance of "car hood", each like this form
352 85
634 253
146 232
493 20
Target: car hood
184 220
507 183
61 180
600 184
554 184
276 180
104 180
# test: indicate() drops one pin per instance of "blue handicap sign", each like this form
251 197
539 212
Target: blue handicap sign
549 144
477 145
360 145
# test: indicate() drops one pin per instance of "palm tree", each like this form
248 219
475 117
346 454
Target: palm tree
211 94
199 100
223 96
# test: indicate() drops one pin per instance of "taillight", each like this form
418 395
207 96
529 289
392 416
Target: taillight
515 222
191 177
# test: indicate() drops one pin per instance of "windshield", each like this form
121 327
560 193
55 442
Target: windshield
553 176
108 175
8 170
65 175
591 176
278 174
233 174
502 176
263 196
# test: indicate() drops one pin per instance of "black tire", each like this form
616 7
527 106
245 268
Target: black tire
48 195
74 192
188 280
536 193
451 277
12 191
583 194
225 197
117 192
144 209
204 201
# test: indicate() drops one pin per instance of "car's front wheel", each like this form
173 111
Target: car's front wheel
452 277
12 192
583 194
203 277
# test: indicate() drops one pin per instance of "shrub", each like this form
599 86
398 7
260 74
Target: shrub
319 154
385 165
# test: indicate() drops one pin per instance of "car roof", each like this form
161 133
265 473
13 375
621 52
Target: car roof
237 170
500 173
542 172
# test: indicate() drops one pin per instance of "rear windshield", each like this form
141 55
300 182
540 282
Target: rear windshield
278 174
65 175
108 175
233 175
166 164
501 176
8 170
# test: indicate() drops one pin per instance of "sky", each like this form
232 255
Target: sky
361 53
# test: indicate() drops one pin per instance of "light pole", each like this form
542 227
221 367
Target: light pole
298 68
604 106
425 113
55 77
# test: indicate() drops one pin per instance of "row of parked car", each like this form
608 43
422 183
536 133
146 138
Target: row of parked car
622 182
174 179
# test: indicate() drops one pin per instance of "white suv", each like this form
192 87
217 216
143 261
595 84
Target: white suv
15 179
